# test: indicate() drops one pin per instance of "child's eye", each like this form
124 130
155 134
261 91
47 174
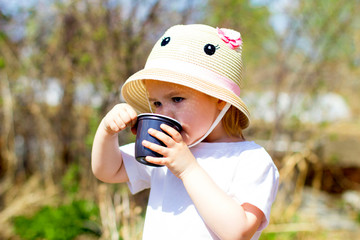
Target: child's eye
157 104
177 99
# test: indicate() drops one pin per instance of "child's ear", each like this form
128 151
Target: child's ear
221 104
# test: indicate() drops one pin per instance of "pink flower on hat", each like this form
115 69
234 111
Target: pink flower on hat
231 37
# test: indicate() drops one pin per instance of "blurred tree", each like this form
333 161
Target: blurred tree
252 21
314 51
67 69
62 64
9 68
64 72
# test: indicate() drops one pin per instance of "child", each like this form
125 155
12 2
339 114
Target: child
215 184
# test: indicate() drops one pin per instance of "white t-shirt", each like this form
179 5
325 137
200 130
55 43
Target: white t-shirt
244 170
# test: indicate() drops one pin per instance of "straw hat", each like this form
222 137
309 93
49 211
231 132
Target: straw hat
198 56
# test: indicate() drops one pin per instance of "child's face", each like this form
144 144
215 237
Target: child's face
195 110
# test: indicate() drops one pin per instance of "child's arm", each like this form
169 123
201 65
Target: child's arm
106 159
222 214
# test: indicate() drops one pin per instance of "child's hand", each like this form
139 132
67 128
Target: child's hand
176 155
118 118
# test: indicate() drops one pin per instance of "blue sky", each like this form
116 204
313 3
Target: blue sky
13 6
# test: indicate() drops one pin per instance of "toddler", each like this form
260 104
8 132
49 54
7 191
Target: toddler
214 183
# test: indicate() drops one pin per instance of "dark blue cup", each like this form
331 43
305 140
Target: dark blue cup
144 122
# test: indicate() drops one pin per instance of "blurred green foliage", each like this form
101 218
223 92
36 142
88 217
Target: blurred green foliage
60 223
71 179
2 62
278 236
94 120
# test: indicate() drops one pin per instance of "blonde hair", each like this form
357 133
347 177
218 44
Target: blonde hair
232 122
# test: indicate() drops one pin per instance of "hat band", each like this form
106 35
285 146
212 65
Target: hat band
194 71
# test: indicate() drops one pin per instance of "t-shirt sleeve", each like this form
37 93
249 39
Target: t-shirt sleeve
139 174
256 182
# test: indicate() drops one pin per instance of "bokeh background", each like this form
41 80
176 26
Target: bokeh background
63 62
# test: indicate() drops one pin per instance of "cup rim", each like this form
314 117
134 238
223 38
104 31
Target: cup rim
155 115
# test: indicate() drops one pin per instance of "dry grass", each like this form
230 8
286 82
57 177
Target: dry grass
119 215
286 222
122 215
24 199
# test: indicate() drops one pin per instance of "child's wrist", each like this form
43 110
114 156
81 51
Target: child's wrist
190 171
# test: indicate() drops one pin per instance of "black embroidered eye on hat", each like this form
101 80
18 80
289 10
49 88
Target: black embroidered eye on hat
198 56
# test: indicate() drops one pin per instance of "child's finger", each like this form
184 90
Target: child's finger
155 160
175 135
132 114
123 120
116 119
111 127
166 139
155 147
125 117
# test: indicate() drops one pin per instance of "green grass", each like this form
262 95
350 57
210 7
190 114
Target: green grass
58 223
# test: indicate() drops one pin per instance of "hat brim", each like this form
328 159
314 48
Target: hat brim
134 91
